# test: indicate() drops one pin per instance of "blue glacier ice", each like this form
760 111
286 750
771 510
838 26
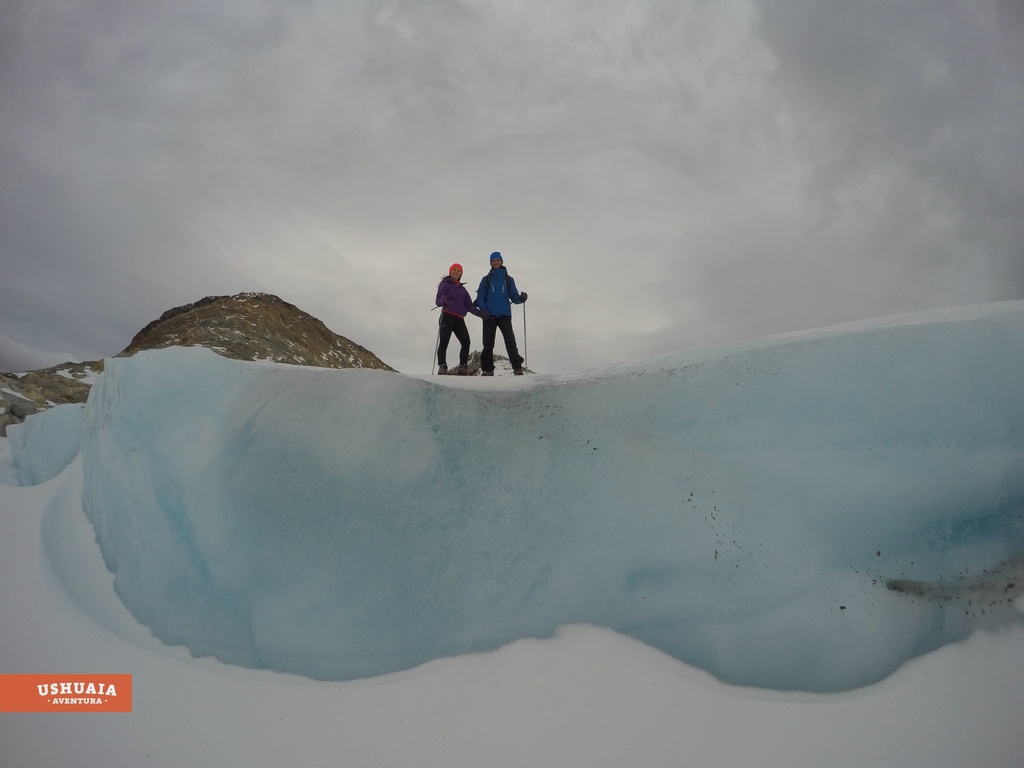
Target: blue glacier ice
44 445
743 508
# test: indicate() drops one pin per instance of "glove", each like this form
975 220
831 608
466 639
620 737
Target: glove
522 297
484 314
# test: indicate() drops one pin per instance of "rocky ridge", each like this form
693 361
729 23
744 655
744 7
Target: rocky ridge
246 326
254 326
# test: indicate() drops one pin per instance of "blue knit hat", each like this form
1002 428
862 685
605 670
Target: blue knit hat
497 256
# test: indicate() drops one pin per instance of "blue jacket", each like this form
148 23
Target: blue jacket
497 293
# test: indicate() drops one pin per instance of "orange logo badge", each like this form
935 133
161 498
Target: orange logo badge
65 693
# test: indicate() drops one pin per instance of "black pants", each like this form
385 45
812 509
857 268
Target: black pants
491 325
452 324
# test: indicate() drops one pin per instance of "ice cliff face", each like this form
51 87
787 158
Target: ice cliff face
745 509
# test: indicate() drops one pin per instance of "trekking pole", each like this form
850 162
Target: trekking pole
526 348
437 343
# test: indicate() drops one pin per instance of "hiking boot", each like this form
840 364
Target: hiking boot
487 373
442 370
462 370
518 371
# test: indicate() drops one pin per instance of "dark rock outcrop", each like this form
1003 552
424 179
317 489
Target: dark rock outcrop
22 394
254 326
502 366
247 326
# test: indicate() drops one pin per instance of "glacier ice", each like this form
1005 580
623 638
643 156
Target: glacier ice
740 508
46 443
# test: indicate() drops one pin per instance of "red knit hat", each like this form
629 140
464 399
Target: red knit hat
453 266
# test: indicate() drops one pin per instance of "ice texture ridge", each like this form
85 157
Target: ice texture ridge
740 508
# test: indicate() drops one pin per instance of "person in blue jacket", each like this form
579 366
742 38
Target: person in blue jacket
496 295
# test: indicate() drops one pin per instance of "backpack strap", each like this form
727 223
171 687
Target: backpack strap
508 284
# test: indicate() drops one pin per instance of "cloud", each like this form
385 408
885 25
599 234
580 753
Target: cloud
658 174
16 357
915 108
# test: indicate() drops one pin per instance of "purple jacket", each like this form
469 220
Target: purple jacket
454 298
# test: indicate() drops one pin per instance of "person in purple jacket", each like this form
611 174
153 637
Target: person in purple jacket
455 302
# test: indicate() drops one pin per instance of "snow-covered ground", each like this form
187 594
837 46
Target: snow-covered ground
803 519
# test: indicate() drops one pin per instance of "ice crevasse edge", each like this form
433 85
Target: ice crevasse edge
740 508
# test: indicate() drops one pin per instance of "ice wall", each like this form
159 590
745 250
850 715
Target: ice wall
46 443
739 508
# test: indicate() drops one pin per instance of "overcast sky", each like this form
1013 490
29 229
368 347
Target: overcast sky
659 174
